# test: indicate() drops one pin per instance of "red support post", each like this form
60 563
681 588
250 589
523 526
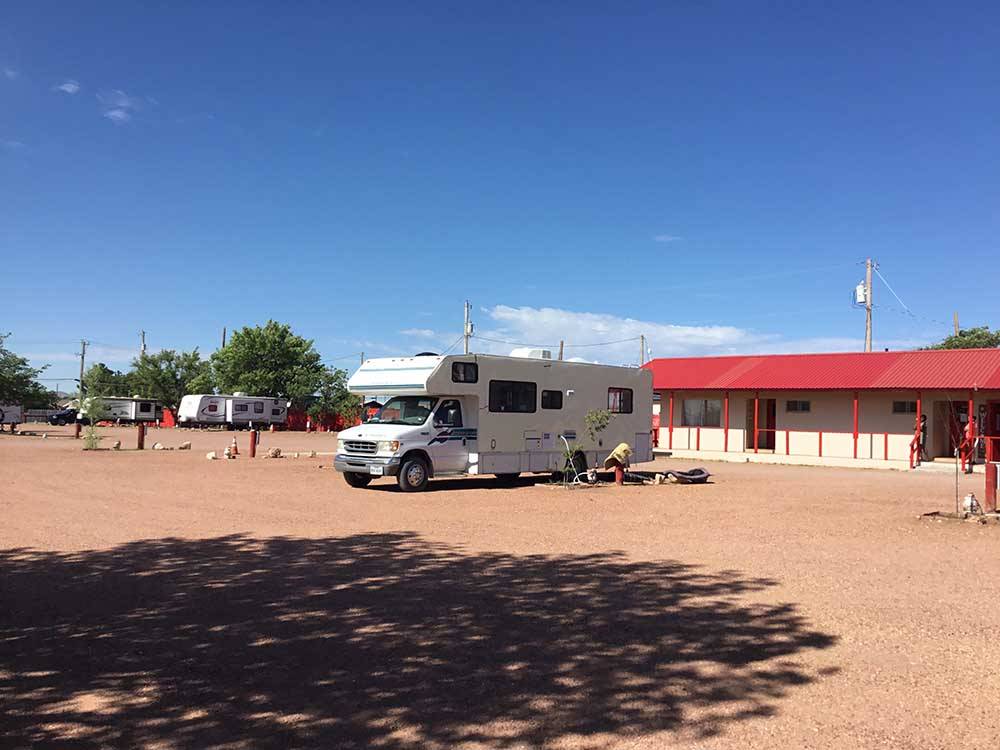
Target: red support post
140 436
697 438
756 413
788 443
821 443
76 429
725 424
670 424
253 443
972 426
855 424
990 497
886 437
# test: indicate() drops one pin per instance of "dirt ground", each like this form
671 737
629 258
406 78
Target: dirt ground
157 599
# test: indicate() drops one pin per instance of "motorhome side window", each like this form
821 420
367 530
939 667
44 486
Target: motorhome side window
213 407
552 399
258 407
146 407
620 400
513 396
464 372
276 412
242 407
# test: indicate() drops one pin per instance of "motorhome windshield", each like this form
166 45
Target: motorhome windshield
411 410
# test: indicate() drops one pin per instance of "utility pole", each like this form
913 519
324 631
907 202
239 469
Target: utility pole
560 349
83 357
467 330
223 337
142 338
642 350
956 323
868 304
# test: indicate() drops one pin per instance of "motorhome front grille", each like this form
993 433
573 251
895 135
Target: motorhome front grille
360 446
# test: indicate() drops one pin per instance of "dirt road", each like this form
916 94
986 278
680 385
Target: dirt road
157 599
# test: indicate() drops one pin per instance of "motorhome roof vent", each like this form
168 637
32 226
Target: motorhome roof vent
239 393
425 354
528 353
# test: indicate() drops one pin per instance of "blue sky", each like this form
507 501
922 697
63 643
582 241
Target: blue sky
709 174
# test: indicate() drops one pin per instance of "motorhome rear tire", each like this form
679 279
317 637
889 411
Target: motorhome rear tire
413 475
355 479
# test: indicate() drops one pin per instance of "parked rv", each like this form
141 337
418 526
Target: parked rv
11 414
237 410
118 409
486 414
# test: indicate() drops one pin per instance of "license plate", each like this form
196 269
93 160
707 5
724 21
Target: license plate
376 470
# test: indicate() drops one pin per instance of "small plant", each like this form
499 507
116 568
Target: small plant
91 440
597 421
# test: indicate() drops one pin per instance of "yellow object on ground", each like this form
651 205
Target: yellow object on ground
618 456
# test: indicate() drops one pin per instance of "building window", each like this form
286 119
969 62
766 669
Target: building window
513 396
552 399
904 407
464 372
798 406
620 400
701 412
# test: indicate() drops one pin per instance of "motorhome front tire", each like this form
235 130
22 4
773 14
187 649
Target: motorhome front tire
413 475
357 480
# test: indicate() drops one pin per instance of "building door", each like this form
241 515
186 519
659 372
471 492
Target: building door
766 423
950 418
991 429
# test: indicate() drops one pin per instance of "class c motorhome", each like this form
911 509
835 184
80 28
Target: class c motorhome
237 410
487 414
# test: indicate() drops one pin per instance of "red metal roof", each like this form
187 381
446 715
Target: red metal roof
935 369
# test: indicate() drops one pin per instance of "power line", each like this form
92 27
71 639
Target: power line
552 346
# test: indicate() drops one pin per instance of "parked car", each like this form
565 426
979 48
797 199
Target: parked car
63 417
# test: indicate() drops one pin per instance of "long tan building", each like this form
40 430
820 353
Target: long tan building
849 409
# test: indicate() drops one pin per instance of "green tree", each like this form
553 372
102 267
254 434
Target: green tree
332 397
17 377
101 380
269 360
971 338
169 375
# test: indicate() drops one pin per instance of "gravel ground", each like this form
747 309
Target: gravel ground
157 599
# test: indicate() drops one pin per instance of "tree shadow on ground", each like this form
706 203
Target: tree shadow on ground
379 640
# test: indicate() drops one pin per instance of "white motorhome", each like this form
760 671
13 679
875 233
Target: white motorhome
237 410
486 414
119 409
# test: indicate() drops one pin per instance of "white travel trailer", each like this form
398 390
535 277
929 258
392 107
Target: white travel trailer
11 414
119 409
485 414
237 410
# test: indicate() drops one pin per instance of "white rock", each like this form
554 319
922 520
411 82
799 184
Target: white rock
157 446
211 456
185 446
117 445
274 453
312 454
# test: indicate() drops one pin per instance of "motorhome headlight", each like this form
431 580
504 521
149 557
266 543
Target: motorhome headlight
340 446
388 446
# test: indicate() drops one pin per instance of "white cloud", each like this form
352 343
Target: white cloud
10 74
118 115
582 331
422 333
666 238
69 87
118 106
